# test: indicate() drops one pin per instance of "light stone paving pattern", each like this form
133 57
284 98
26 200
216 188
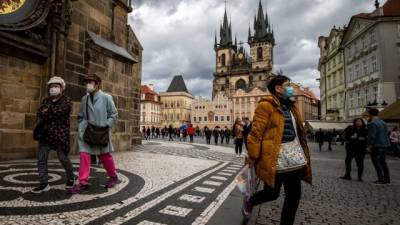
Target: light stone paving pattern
157 176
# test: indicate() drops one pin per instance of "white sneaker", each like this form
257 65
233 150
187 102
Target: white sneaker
41 188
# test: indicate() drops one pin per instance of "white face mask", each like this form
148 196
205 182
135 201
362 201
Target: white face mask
90 88
54 91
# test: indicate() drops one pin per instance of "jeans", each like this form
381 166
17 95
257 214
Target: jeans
238 146
43 155
378 157
292 185
359 155
208 139
222 139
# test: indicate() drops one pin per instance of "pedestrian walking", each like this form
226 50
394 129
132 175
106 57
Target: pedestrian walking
96 117
148 133
191 132
216 135
153 132
329 138
170 133
207 133
222 135
144 133
158 132
395 140
239 137
378 144
320 138
356 147
334 136
277 133
246 130
227 134
53 133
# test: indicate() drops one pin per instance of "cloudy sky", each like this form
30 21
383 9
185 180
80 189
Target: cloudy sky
178 36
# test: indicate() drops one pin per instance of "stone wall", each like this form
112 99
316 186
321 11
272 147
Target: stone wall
23 77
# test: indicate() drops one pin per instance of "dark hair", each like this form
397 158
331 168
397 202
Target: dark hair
362 121
373 112
277 80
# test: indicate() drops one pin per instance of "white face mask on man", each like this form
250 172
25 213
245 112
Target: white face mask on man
55 91
90 88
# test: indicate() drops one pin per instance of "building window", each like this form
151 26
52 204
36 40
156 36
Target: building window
375 93
259 54
205 119
199 118
374 64
241 84
334 80
222 118
194 119
372 37
223 59
228 118
216 118
365 67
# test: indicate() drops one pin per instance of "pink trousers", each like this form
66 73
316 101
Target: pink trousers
85 162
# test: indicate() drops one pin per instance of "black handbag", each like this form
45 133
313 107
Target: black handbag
40 131
95 135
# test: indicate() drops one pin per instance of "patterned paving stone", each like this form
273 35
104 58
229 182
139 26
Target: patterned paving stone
192 198
175 211
212 183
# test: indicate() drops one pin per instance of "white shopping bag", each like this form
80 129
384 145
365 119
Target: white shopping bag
246 180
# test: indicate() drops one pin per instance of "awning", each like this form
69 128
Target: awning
391 112
325 125
110 46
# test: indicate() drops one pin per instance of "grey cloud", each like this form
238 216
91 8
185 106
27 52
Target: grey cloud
178 35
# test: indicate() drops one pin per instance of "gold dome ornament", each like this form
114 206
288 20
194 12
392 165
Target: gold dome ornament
10 6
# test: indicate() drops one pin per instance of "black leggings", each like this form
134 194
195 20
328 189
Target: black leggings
238 145
292 185
359 155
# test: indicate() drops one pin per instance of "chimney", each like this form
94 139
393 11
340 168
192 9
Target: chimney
151 86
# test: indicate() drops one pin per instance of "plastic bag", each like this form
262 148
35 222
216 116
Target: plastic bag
246 180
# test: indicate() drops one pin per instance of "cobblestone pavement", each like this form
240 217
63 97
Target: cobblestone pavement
160 183
332 201
182 183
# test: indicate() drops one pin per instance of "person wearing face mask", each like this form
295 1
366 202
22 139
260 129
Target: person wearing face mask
277 149
54 133
97 110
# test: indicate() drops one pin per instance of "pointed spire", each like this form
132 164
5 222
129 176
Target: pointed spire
215 42
249 35
377 4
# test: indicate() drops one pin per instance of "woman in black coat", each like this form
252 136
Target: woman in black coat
356 147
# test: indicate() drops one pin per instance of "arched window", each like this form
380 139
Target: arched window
241 84
223 58
259 53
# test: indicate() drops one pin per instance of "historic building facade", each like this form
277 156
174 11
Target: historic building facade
176 103
212 113
40 39
235 68
150 105
332 76
372 54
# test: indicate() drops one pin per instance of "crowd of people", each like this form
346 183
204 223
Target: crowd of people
238 133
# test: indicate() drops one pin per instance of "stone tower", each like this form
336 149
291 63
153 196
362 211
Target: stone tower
235 68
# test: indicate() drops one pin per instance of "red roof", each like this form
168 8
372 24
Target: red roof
144 89
391 8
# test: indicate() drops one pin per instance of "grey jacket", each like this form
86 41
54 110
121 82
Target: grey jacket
102 112
378 134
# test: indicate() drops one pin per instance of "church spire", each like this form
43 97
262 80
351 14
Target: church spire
249 35
262 26
226 31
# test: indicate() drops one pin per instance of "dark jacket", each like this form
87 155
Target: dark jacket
356 139
246 130
378 134
57 122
